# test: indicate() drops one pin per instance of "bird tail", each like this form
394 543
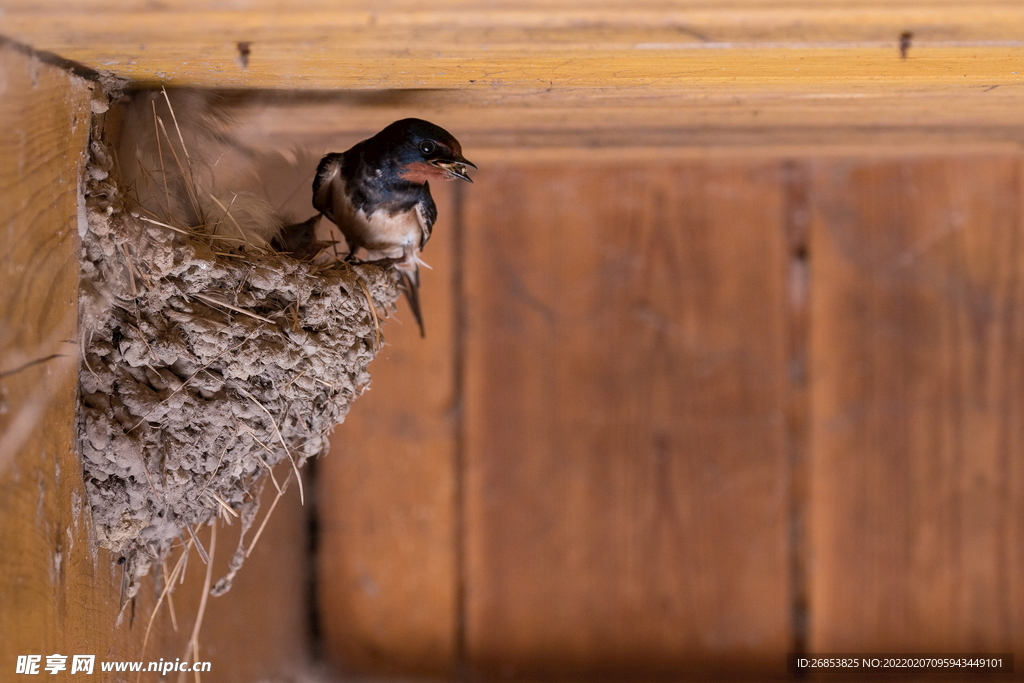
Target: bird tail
410 283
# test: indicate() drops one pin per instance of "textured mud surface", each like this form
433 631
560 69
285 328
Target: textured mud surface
205 375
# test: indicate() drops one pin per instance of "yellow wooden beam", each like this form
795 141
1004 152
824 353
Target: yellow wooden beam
566 44
516 77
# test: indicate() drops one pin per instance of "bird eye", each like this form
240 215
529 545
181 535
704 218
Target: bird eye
427 147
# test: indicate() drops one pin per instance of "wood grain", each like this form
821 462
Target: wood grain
385 494
626 477
44 522
916 515
533 46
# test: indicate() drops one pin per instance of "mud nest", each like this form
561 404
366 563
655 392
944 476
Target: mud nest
204 369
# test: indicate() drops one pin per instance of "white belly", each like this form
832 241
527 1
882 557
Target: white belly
381 232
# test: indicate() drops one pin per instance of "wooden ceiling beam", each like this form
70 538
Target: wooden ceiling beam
568 74
449 44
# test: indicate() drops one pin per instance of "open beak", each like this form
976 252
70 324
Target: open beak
455 167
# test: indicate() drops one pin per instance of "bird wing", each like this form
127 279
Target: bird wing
329 187
331 198
426 212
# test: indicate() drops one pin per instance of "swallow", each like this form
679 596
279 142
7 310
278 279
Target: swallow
378 194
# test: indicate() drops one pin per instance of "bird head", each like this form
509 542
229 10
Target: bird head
425 151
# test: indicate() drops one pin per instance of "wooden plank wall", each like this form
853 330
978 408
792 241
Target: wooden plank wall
674 415
58 594
687 416
918 406
624 447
